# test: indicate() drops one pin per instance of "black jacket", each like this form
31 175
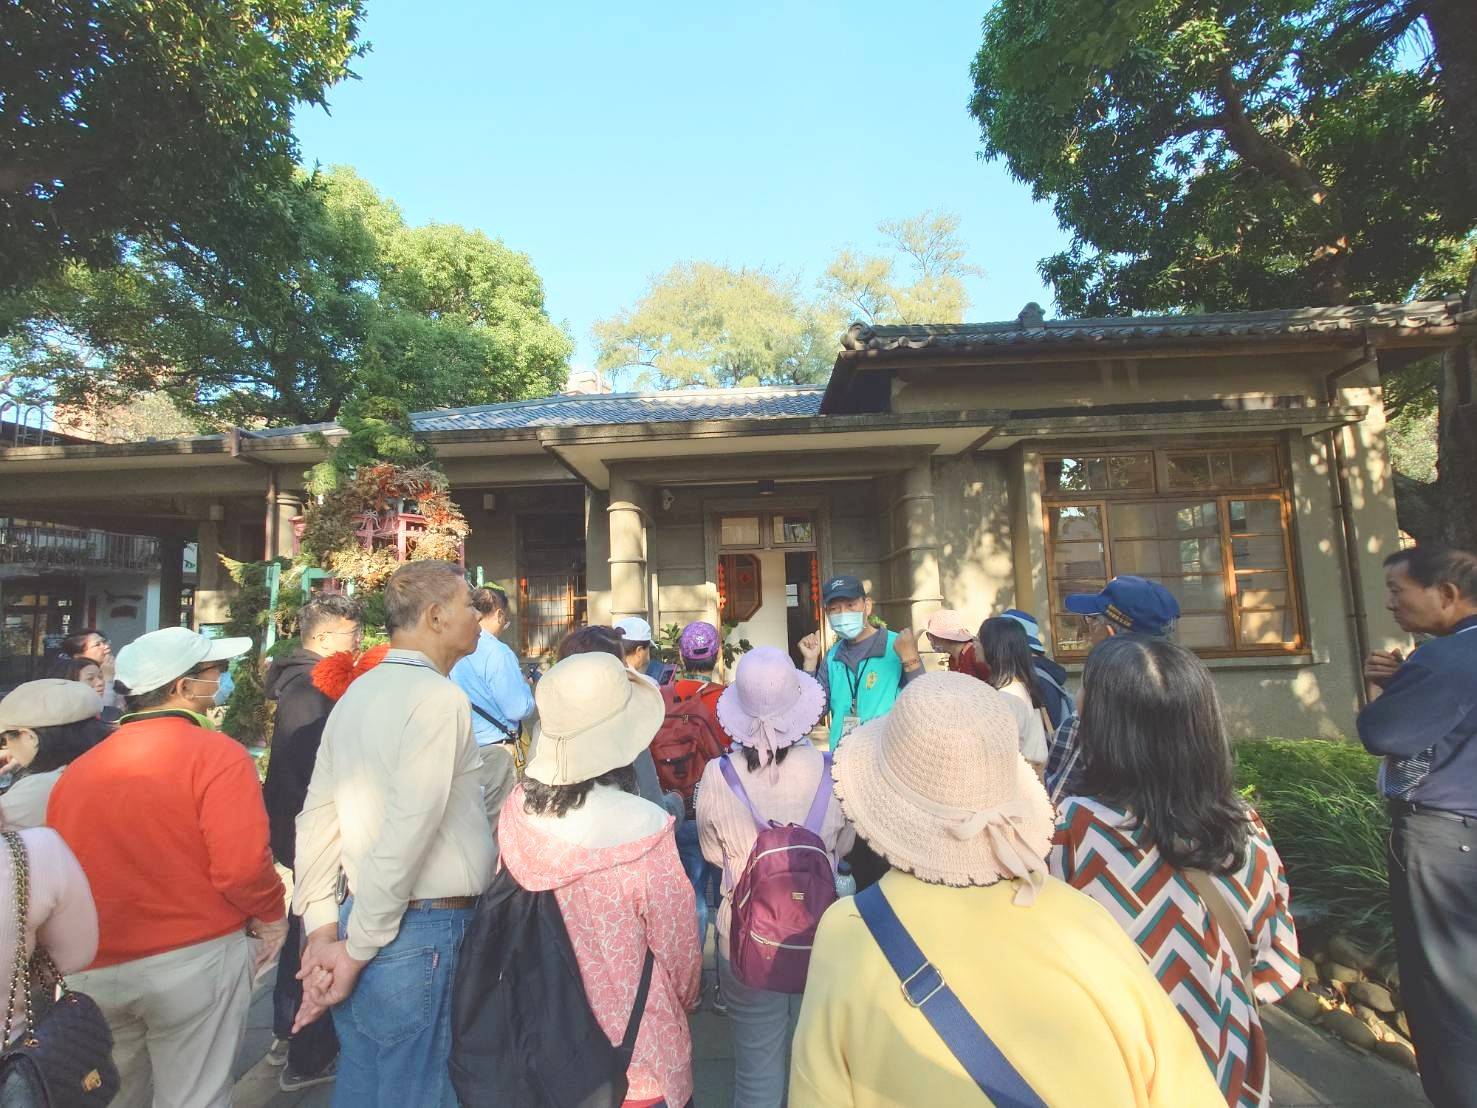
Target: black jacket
296 732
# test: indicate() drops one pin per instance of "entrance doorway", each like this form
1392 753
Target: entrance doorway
768 578
36 613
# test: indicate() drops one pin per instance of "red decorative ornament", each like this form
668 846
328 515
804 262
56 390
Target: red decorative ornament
335 673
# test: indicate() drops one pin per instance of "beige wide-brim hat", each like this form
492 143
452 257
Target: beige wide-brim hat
938 787
594 715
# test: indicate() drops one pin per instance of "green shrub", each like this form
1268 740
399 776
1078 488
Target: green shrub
1319 801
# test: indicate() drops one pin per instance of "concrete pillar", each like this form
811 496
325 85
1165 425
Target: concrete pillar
627 550
921 560
597 556
171 580
213 587
286 507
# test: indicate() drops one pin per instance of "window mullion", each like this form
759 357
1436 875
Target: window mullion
1228 569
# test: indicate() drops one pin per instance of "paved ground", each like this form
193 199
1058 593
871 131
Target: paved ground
1311 1069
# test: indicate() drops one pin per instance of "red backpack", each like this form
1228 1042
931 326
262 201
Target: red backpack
688 739
787 885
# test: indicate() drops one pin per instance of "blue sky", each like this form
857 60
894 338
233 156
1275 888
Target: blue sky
609 141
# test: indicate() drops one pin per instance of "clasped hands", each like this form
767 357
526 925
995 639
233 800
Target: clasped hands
328 974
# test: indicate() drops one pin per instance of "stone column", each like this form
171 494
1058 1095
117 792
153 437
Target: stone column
920 549
288 505
627 550
171 580
213 587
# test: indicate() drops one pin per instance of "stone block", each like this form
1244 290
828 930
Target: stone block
1340 972
1398 1053
1302 1004
1350 1028
1372 996
1345 950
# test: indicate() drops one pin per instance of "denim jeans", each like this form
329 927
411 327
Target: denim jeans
763 1027
394 1030
700 872
312 1048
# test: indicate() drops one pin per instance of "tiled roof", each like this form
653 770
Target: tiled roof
637 407
1437 317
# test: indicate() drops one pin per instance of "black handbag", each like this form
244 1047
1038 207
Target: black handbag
64 1058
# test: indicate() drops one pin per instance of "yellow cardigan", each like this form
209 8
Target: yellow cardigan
1061 989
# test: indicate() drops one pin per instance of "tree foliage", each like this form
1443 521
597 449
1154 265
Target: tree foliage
323 299
701 323
868 287
130 121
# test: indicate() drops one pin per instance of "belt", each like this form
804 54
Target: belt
1411 808
343 893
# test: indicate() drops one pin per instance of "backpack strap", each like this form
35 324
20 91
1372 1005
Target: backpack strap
1219 907
731 776
512 735
633 1023
925 989
817 814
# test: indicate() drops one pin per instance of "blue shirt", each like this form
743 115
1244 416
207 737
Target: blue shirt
493 681
1425 724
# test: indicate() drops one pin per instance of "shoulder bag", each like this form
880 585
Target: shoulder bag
64 1058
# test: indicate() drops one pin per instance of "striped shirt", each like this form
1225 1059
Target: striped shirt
1098 850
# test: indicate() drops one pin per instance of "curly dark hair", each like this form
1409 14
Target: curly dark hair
559 800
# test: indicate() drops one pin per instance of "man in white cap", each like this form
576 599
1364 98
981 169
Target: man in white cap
166 817
636 641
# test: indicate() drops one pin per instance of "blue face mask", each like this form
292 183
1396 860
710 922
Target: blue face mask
847 624
223 691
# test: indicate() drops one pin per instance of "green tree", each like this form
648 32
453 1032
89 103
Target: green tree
133 121
1236 154
867 286
701 323
326 299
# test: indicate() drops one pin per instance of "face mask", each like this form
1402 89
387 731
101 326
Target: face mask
847 624
223 690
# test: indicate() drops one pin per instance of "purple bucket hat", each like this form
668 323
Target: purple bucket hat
770 704
699 642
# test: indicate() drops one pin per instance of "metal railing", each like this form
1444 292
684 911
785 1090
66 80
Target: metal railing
56 546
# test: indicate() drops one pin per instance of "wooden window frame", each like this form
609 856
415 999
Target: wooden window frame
1279 490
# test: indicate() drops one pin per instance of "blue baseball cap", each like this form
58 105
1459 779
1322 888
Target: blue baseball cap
1033 629
844 587
1132 603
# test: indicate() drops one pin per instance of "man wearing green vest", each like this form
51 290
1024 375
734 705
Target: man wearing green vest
863 673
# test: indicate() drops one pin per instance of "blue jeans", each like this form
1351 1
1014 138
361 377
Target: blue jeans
700 872
395 1029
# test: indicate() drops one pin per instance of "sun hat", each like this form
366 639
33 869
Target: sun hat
770 704
48 703
154 660
699 642
594 715
1033 629
1133 603
845 587
938 787
948 624
634 629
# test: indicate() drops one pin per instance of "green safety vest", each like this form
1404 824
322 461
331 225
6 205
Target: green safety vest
872 689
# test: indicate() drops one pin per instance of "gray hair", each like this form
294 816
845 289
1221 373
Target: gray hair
414 587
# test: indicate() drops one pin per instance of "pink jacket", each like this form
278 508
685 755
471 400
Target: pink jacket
613 866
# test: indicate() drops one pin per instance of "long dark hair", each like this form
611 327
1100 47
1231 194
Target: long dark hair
1007 652
559 800
58 744
1154 743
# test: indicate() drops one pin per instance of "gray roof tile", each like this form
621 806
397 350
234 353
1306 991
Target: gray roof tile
651 407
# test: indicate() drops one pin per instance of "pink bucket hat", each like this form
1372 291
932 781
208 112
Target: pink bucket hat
946 623
938 787
770 704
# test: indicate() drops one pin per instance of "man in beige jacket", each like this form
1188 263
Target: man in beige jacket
393 849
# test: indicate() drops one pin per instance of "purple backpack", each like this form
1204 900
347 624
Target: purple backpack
786 886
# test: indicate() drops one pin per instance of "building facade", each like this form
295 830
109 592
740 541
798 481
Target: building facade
1240 459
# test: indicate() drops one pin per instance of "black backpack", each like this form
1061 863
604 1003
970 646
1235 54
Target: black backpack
522 1031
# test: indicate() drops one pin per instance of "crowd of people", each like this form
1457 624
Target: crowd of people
924 887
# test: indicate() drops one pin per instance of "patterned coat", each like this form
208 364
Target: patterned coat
1099 850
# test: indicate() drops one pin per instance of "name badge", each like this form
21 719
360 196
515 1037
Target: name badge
849 723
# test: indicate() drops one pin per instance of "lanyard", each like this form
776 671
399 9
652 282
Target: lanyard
854 679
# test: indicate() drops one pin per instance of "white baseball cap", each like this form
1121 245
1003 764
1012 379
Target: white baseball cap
154 660
634 629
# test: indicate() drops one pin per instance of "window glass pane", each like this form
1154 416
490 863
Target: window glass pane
1189 471
793 530
1262 590
1183 519
1203 631
1077 559
1075 524
1150 559
1134 521
1268 627
1070 634
1066 475
1220 469
1204 592
740 531
1256 516
1254 467
1131 471
1262 552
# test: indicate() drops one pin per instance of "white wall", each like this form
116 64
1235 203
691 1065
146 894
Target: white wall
770 624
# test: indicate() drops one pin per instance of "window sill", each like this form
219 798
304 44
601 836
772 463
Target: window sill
1255 662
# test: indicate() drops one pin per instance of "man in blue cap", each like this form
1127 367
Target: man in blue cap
1127 606
864 671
